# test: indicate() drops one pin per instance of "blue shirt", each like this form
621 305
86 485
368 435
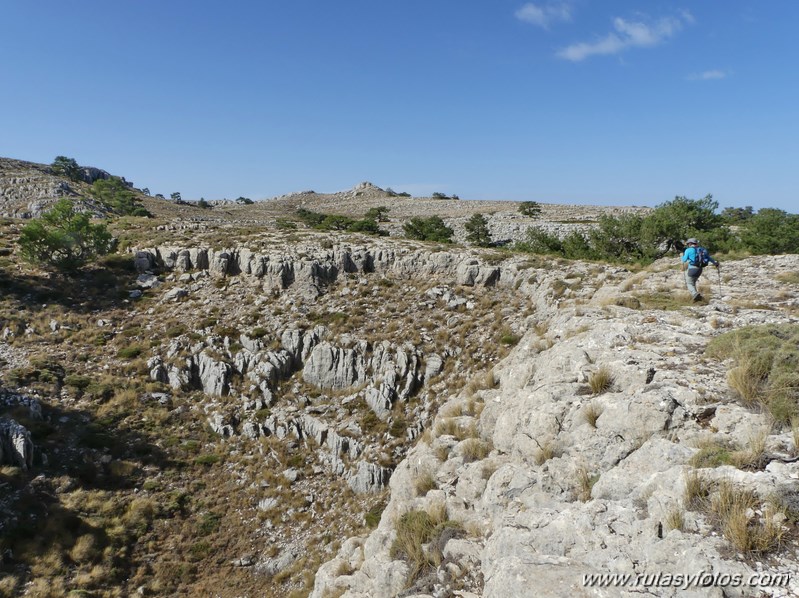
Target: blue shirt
690 255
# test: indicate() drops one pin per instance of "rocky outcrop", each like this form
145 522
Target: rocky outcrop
16 446
377 376
281 270
27 189
335 368
573 483
368 477
198 371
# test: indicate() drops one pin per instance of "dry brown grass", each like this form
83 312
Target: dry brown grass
601 380
474 449
417 538
745 383
736 513
751 456
788 277
424 483
675 519
591 413
85 549
9 585
696 490
547 449
451 426
585 483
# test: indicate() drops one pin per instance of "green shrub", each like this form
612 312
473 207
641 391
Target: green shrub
310 218
674 221
537 240
130 352
531 209
378 214
477 232
508 339
208 524
207 459
372 517
335 222
712 454
285 224
78 382
636 238
771 231
64 238
67 167
367 226
118 196
428 229
258 332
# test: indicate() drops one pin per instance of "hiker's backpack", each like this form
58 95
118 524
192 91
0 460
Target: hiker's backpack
701 257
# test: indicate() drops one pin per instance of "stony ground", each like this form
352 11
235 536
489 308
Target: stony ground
230 408
571 481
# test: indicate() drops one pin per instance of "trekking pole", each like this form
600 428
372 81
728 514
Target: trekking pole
718 270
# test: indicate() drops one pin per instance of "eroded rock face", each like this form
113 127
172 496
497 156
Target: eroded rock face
335 368
574 483
16 446
381 375
282 270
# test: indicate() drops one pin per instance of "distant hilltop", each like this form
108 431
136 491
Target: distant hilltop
27 188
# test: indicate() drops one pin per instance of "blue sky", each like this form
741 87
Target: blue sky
615 102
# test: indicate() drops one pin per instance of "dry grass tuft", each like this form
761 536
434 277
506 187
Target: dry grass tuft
675 519
746 382
752 455
736 513
585 483
601 381
548 449
420 536
788 277
766 371
424 483
696 490
474 449
591 413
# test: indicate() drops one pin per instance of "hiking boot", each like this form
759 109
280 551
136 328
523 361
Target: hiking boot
698 298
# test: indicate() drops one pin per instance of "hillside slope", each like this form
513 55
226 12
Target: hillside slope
232 407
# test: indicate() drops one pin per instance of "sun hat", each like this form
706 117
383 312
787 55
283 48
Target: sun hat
692 240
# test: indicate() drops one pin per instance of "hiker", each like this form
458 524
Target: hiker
694 259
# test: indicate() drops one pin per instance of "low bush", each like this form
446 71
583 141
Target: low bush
64 239
428 229
414 530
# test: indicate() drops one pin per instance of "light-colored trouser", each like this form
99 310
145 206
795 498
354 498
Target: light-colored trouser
691 278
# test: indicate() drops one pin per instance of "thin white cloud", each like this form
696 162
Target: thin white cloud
709 75
544 14
628 34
